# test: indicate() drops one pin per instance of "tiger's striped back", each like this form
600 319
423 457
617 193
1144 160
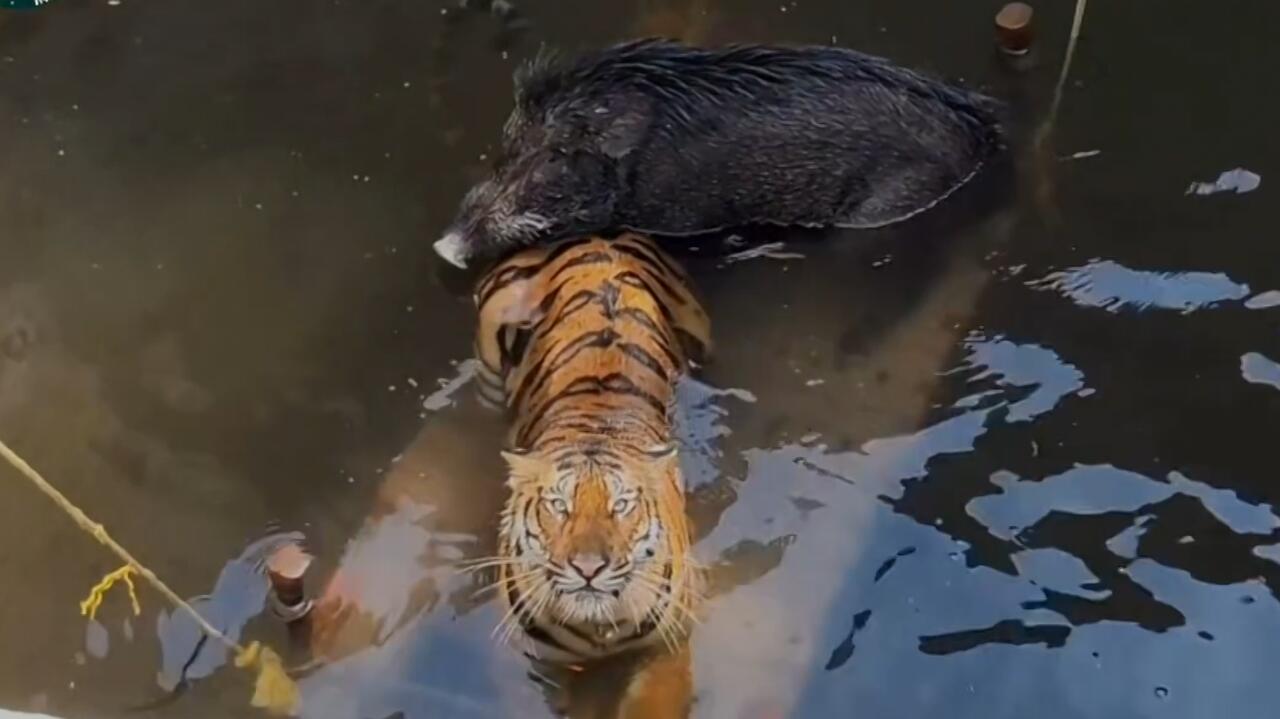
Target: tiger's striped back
587 333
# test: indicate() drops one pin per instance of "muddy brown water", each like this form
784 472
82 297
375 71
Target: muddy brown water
1013 458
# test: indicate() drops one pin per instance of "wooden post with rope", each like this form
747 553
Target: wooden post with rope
273 690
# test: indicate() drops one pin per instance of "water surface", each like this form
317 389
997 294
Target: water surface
1012 458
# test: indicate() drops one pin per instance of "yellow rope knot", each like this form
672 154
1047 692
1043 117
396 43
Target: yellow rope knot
89 607
274 690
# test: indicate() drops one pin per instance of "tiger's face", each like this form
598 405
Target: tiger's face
596 539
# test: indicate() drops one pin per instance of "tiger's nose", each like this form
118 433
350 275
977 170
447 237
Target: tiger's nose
588 564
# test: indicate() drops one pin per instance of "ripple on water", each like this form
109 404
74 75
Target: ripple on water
1110 286
238 596
1100 489
1257 368
1024 366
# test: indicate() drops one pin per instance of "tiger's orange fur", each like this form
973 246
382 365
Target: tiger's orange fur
584 341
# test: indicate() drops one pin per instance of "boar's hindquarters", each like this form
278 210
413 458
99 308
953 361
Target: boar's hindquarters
852 154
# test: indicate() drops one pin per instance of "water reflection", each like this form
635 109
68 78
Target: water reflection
398 628
1102 489
1113 287
1038 369
1257 368
238 596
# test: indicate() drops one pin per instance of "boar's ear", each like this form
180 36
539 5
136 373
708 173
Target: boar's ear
624 130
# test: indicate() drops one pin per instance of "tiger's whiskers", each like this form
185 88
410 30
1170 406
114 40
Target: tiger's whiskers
474 565
676 610
541 596
503 582
520 608
657 585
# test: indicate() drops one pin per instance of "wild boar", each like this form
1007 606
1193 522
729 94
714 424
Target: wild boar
668 139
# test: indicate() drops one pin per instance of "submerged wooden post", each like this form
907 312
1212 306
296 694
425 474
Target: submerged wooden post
1013 28
286 568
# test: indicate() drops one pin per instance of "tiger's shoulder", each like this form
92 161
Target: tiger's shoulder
540 293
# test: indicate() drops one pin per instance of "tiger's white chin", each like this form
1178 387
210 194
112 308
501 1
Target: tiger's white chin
594 608
586 607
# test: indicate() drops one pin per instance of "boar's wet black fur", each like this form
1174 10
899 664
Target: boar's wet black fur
669 139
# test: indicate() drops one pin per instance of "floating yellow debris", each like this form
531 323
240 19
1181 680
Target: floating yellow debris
89 607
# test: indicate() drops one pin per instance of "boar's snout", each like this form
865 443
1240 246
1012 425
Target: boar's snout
492 219
534 195
453 248
469 228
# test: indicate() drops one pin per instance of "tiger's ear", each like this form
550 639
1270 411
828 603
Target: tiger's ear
664 461
663 454
525 466
666 450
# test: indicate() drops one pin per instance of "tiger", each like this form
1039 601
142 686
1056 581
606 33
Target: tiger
583 341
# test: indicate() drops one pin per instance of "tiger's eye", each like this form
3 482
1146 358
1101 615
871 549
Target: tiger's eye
621 506
557 505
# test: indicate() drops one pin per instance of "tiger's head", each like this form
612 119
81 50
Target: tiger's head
595 540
